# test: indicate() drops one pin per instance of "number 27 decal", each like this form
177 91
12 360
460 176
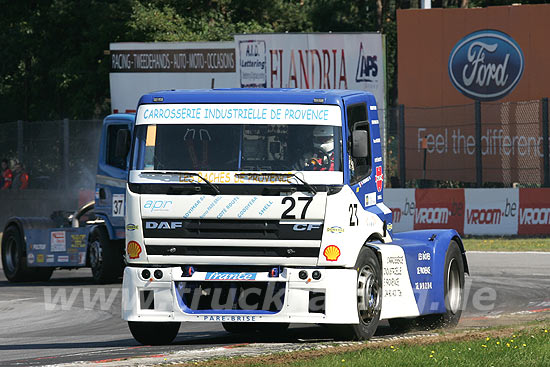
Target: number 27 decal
292 202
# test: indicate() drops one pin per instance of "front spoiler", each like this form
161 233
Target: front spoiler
338 285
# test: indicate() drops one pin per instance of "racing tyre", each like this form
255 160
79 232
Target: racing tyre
14 259
105 257
154 333
369 298
454 291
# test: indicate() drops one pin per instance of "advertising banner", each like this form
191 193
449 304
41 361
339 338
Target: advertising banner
448 60
439 209
314 61
138 68
498 212
492 212
534 212
402 204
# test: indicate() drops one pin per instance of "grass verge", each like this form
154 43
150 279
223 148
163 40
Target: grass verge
506 244
520 346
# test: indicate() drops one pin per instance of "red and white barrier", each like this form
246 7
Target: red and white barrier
471 211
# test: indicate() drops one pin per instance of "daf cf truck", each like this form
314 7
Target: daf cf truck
259 208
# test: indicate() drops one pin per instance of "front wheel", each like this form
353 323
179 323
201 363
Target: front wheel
14 259
105 257
369 298
154 333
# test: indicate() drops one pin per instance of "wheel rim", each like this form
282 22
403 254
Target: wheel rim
454 289
11 255
95 256
368 294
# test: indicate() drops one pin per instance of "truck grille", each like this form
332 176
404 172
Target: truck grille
232 251
216 296
232 229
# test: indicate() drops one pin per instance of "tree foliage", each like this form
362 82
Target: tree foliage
54 65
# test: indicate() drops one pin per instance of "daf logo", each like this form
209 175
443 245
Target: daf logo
163 225
305 227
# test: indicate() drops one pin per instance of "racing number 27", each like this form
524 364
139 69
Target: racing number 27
292 202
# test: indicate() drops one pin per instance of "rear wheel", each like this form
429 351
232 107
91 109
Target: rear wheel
105 257
14 259
154 333
369 298
454 293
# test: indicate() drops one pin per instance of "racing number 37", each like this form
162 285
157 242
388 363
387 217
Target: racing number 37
292 202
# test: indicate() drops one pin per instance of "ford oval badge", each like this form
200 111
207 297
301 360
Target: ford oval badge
486 65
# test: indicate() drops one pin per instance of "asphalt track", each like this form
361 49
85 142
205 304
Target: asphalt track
35 330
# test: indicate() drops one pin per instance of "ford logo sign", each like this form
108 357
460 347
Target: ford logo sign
486 65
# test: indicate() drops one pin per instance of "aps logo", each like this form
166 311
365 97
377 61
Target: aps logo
367 66
486 65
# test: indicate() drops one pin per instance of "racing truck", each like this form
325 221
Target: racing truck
259 208
92 236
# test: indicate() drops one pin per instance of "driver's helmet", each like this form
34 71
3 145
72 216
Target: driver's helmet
323 138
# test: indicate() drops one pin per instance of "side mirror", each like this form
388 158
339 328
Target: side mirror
360 144
122 143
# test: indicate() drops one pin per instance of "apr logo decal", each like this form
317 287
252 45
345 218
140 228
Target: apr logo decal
486 65
367 66
332 253
379 178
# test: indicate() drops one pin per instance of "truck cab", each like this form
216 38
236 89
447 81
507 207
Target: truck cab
258 208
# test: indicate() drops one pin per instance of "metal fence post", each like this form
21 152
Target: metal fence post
66 153
545 143
479 168
401 135
20 141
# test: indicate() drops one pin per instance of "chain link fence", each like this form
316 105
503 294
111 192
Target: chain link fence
57 155
475 145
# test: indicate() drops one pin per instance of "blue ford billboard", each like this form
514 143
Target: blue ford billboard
486 65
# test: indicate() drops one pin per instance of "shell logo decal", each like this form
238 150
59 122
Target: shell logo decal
332 253
133 249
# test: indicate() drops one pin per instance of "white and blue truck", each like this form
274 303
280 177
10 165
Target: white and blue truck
92 236
258 208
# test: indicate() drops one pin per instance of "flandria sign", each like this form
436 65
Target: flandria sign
486 65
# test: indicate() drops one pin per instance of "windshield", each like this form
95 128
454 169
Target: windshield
237 147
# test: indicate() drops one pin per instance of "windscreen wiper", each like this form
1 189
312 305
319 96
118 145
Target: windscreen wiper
210 184
311 188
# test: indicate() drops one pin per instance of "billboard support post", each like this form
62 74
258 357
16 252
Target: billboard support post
545 143
401 136
479 168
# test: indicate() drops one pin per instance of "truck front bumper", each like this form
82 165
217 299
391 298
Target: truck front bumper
166 294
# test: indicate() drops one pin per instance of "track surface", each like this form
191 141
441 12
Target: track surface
33 332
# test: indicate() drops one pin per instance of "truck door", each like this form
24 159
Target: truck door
364 174
111 180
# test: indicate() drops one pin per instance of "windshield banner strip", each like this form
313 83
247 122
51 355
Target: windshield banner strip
230 177
279 114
